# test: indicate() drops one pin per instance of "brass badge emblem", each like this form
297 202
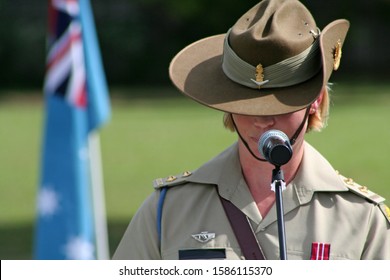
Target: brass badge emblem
259 73
349 181
171 179
337 55
363 189
187 173
387 209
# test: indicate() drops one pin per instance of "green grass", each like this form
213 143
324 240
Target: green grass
356 140
155 133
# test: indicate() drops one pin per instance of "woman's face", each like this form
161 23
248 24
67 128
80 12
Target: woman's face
252 127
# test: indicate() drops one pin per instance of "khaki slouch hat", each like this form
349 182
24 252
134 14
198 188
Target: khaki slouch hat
274 60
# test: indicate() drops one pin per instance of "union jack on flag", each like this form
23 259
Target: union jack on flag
65 73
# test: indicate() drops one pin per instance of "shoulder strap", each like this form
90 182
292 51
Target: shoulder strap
163 184
160 205
243 231
362 191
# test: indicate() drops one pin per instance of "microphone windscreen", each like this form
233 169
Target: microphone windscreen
275 147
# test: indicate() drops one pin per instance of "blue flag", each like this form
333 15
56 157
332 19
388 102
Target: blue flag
77 104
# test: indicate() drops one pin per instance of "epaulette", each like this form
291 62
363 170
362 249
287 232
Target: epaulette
362 191
172 180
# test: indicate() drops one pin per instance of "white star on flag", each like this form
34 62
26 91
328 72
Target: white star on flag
83 153
48 202
79 249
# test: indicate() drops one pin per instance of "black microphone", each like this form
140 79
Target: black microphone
275 147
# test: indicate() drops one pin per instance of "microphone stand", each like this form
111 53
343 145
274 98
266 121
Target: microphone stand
278 185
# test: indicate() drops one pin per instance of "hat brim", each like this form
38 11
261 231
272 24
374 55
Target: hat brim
196 71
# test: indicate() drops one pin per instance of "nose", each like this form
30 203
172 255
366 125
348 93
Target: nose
263 121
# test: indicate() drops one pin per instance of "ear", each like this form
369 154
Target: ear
316 104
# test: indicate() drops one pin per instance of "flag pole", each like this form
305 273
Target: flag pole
97 189
100 112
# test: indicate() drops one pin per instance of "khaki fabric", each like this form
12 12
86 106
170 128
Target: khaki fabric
319 204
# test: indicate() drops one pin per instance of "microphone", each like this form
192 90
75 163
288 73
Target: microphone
275 147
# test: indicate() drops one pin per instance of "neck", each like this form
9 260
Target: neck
258 175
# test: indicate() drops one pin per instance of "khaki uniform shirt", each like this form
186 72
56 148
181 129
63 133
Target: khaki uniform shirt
319 205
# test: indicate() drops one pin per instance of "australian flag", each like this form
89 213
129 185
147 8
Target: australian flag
76 104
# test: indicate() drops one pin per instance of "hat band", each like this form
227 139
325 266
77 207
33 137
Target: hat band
289 72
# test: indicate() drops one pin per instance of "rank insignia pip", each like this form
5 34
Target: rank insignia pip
172 180
362 191
187 173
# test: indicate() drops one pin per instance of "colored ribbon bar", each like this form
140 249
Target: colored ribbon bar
320 251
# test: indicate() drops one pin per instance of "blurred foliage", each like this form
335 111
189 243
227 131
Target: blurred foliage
138 38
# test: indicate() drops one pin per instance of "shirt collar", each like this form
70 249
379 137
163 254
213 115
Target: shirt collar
224 171
314 175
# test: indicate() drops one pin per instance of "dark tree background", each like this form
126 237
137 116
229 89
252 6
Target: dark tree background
138 38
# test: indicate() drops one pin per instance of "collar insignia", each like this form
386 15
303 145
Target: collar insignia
204 236
387 211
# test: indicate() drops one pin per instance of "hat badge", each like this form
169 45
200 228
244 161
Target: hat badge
259 74
337 55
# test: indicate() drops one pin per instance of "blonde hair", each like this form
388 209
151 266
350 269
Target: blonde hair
316 121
